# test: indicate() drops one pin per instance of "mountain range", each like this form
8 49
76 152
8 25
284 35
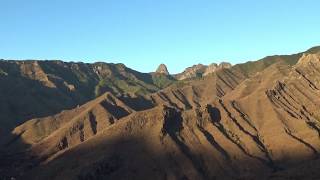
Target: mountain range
74 120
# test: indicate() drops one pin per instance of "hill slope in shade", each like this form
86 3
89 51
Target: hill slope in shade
31 89
257 120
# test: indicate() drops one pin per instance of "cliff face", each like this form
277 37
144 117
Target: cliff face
162 69
309 59
200 70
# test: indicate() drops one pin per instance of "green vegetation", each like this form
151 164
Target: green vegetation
120 86
3 73
181 83
99 88
161 80
314 50
131 84
250 68
82 77
119 79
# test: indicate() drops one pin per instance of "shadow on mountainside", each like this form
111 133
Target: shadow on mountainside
25 99
214 113
133 158
129 156
138 103
15 157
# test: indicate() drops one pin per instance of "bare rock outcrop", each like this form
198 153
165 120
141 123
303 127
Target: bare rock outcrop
201 70
162 69
309 59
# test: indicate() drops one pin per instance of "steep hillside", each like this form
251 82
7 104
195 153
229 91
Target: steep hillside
32 89
257 120
264 128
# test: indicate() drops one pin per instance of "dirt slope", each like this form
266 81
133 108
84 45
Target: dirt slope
33 89
232 124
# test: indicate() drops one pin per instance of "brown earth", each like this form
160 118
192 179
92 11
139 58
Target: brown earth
258 120
33 89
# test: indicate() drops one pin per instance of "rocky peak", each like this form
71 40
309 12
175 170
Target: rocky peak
162 69
201 70
213 67
196 68
210 69
309 58
192 72
224 65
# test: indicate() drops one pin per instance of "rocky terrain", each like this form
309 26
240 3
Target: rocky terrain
257 120
162 69
201 70
31 89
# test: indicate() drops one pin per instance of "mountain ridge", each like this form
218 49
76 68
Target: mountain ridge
256 120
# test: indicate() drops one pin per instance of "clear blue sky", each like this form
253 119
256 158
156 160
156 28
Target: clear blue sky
145 33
